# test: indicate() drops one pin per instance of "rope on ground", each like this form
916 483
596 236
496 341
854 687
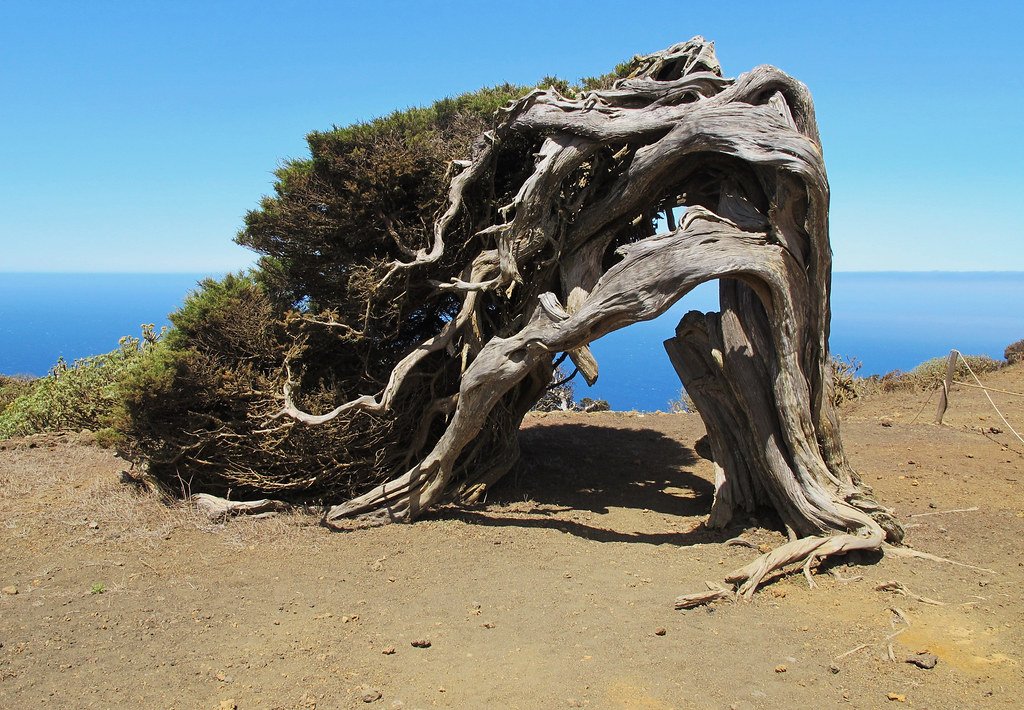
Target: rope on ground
989 397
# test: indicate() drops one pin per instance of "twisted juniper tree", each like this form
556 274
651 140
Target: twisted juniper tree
437 337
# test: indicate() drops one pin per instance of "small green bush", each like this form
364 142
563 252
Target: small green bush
84 395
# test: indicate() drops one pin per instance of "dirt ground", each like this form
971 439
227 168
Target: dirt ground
551 594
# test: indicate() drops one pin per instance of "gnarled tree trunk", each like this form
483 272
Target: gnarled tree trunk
576 255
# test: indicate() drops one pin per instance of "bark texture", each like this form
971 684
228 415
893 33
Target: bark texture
736 169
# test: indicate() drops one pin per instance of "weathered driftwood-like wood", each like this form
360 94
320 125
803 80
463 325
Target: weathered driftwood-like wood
576 255
219 509
947 385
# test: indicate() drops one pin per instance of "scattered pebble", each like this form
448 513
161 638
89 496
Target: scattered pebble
488 625
660 631
897 697
390 650
10 590
886 422
372 696
923 660
833 669
93 525
228 704
781 668
421 643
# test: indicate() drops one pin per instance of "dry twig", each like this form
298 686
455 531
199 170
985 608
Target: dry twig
943 512
900 588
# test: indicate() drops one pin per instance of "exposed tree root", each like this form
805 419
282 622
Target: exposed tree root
911 552
810 551
740 542
807 550
715 592
220 509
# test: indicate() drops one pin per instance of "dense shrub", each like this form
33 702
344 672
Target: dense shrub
326 314
594 405
325 308
1014 352
201 410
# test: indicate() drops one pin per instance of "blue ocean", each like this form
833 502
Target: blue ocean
886 320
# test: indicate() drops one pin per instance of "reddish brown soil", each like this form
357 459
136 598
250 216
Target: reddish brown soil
549 595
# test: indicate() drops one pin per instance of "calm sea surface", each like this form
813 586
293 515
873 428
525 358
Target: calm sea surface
887 320
43 316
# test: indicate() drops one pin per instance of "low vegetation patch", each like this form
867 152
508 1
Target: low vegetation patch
87 394
930 373
926 376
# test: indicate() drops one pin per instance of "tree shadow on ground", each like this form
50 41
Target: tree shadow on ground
569 470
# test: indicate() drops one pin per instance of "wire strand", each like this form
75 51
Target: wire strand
987 396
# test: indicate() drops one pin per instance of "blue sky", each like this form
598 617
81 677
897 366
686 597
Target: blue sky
135 135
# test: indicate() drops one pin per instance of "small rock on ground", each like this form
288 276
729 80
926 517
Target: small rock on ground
923 660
